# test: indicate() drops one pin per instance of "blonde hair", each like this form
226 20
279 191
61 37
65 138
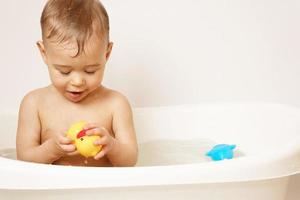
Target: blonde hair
63 20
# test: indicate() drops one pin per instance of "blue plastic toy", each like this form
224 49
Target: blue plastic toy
221 152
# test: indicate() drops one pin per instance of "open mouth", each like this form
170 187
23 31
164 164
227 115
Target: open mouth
74 94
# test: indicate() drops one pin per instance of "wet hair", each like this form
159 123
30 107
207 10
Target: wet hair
64 20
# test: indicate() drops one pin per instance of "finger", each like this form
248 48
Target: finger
104 130
68 148
63 140
101 141
98 131
94 131
101 154
89 126
75 153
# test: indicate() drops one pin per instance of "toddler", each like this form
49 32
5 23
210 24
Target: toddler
75 46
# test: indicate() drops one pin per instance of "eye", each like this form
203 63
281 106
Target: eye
90 72
65 72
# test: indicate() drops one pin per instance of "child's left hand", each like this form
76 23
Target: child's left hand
106 140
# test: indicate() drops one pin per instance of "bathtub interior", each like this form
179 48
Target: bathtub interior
183 134
254 127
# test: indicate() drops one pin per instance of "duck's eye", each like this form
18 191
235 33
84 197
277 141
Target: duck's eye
81 139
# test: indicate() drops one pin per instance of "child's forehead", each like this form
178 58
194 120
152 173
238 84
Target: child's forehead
66 56
70 47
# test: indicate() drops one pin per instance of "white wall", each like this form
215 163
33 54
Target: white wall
172 52
205 50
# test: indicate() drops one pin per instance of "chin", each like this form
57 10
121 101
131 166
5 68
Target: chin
75 101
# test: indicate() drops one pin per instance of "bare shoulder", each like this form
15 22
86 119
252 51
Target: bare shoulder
117 100
32 98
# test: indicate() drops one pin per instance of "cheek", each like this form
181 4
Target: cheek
95 80
56 79
59 82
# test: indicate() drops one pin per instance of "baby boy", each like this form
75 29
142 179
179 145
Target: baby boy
75 46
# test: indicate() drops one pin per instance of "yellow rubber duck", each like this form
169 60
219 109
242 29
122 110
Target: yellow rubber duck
84 144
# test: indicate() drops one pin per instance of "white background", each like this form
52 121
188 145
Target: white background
169 52
173 52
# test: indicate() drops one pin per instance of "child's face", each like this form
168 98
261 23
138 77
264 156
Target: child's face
75 77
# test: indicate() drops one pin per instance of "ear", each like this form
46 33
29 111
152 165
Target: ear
108 50
41 47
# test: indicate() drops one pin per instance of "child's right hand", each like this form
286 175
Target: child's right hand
64 145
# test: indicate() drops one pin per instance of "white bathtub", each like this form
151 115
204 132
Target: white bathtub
268 135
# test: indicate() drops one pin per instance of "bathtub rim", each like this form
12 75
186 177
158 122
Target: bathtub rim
273 161
168 171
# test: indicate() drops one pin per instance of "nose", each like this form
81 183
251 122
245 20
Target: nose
77 80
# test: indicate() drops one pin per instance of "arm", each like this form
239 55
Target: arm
122 149
28 139
125 150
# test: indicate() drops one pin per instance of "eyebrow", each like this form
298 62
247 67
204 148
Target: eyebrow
67 66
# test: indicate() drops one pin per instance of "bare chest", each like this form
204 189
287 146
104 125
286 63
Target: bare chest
56 119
